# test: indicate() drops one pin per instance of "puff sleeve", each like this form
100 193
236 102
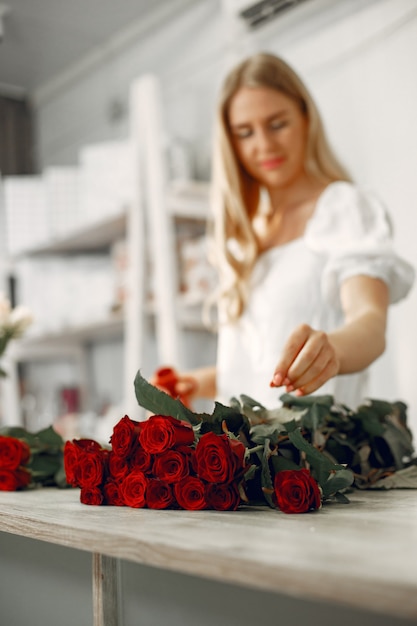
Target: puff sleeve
352 229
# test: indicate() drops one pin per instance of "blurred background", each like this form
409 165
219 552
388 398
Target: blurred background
106 112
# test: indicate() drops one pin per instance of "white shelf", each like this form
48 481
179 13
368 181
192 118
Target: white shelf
185 200
51 343
94 236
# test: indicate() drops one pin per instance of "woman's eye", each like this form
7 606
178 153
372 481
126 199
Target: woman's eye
278 124
243 133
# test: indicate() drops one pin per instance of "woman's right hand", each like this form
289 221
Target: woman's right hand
187 386
174 384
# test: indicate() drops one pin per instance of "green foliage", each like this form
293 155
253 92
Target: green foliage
335 441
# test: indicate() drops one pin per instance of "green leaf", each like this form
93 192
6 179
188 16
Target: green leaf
280 463
50 438
247 400
319 462
380 407
339 480
315 417
250 472
44 466
260 432
306 401
399 442
266 478
160 403
370 421
341 498
235 421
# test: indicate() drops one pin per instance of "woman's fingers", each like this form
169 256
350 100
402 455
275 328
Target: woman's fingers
307 362
310 382
294 345
186 385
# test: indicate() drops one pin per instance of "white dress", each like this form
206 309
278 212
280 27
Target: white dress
299 282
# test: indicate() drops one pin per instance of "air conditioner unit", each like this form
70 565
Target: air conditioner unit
255 14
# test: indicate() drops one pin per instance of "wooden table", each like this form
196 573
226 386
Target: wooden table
361 555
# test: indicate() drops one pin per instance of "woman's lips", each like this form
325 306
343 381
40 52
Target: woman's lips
271 164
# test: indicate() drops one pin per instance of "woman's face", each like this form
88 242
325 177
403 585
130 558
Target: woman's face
269 135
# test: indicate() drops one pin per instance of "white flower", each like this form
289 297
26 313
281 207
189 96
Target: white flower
5 309
19 320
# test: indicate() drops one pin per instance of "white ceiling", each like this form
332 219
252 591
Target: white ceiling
43 38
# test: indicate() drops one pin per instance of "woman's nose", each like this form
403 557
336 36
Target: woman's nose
263 139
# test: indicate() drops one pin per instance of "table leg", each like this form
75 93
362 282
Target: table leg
106 590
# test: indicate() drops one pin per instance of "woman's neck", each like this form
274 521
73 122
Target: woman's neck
288 213
303 191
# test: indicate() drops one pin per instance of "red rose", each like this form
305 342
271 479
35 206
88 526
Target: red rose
90 469
12 480
13 452
219 459
111 490
140 460
84 462
171 466
71 462
223 497
296 491
159 494
125 436
190 493
72 452
118 466
91 495
133 489
162 432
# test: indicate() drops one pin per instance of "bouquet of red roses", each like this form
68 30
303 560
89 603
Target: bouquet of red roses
30 459
158 464
181 459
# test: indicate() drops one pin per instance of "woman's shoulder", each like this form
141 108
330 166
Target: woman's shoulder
346 212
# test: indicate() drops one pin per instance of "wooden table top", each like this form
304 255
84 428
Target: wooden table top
363 554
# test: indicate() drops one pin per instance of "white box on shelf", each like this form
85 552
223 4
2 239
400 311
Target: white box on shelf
63 201
26 213
65 292
107 179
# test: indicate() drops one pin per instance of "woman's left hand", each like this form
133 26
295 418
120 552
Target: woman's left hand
308 360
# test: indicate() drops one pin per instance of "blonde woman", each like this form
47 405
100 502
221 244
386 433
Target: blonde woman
305 258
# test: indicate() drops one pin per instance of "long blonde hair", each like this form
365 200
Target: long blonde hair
235 194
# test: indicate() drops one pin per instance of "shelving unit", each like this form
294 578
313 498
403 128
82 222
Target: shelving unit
149 225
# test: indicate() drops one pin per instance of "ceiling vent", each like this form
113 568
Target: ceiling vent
259 13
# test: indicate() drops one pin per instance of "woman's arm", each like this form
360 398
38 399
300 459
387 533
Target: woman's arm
312 357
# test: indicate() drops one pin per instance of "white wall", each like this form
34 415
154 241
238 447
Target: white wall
358 58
